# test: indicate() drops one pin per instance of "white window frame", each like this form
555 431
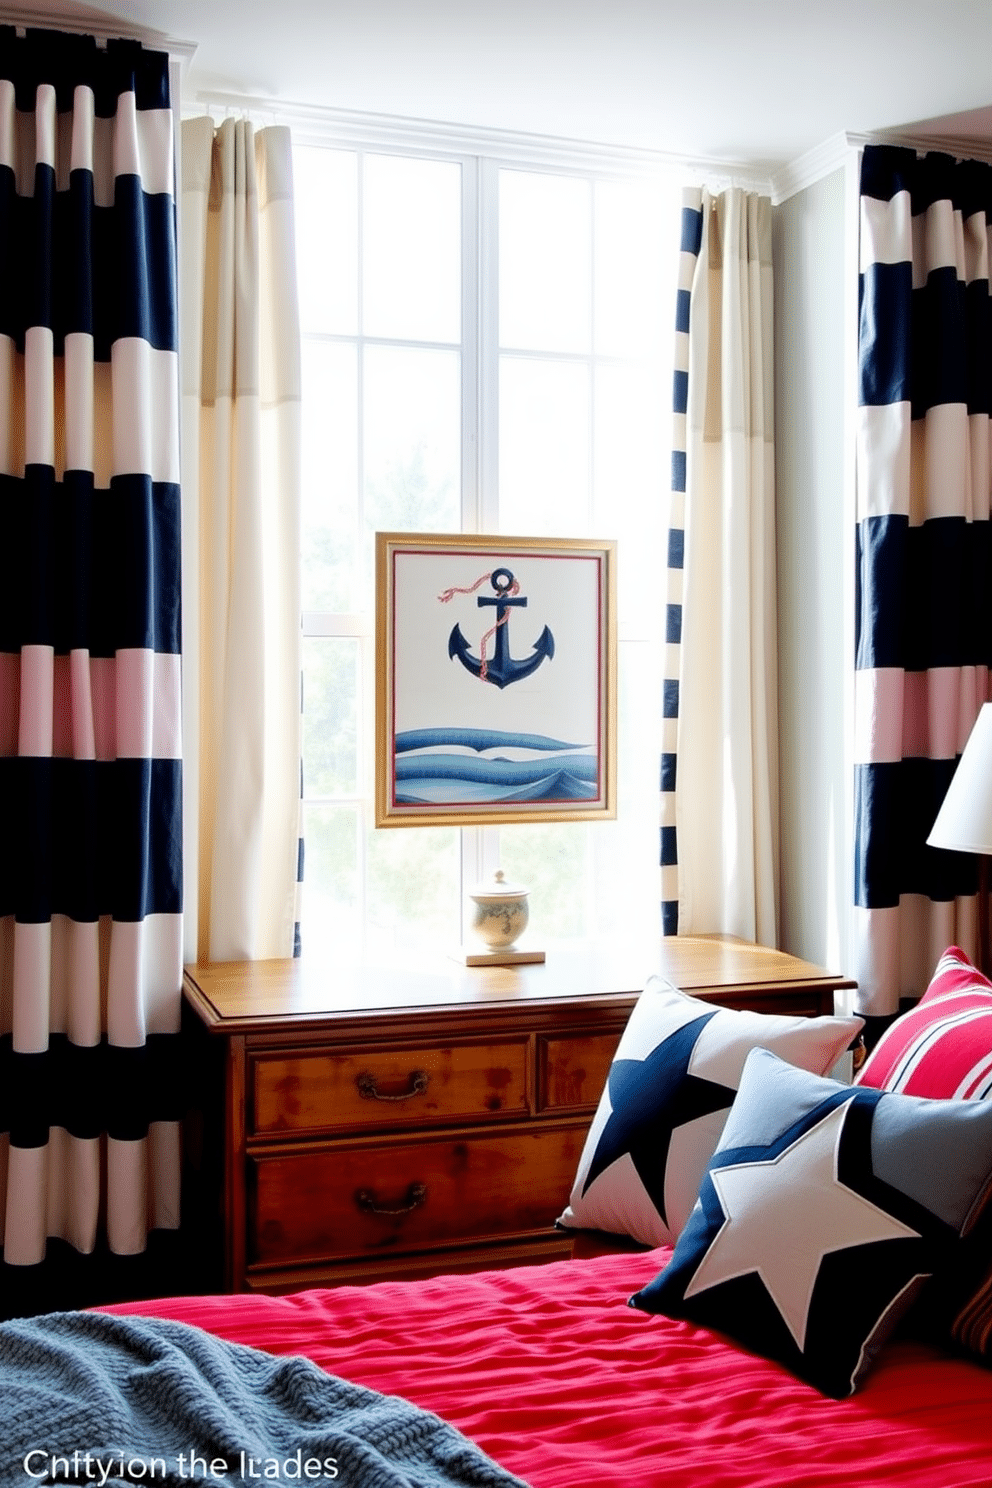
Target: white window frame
481 156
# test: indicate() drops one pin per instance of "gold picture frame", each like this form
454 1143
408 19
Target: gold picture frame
496 679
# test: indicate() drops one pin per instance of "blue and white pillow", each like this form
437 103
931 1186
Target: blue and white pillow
822 1213
671 1084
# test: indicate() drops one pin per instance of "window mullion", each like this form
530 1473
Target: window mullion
364 727
470 342
364 705
360 350
480 507
487 270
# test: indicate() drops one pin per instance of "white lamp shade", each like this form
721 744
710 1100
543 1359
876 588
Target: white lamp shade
964 821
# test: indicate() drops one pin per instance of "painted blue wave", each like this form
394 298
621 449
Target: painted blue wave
511 774
562 785
470 738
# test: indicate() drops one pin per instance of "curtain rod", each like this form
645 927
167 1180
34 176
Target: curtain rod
962 147
101 28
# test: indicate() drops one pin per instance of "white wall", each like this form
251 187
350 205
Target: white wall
815 536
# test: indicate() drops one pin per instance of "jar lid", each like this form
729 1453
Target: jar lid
498 888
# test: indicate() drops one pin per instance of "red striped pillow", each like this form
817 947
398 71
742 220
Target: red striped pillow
942 1048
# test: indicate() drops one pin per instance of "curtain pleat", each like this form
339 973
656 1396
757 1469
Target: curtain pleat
90 759
722 675
924 558
241 462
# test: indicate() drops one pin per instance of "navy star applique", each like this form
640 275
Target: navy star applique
650 1098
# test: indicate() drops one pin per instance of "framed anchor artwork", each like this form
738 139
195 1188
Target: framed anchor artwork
496 677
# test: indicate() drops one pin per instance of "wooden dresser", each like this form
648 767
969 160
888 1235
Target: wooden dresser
401 1121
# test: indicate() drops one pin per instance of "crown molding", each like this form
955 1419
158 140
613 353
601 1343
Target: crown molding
314 124
814 165
834 153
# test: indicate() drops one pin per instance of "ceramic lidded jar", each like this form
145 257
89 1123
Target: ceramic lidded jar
501 912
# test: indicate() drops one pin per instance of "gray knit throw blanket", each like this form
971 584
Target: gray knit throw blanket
92 1399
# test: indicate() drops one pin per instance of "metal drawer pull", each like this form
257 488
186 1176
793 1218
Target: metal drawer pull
368 1087
415 1196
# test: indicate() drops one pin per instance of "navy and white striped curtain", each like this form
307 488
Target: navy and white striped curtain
689 245
924 587
90 770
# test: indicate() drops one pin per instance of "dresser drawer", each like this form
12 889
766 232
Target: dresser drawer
328 1090
572 1070
358 1199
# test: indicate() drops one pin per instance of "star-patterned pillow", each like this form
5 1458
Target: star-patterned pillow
671 1084
823 1211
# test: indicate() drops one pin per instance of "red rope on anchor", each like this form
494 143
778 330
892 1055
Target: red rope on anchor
510 591
446 595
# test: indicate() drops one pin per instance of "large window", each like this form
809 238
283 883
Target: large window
487 347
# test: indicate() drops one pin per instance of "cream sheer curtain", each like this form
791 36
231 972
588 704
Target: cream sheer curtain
240 353
726 799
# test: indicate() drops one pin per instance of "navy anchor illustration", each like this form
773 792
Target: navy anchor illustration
502 669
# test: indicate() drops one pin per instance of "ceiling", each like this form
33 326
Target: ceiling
712 80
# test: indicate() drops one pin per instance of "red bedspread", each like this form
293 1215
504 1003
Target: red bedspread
554 1376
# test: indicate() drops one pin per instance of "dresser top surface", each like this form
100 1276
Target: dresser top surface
238 996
